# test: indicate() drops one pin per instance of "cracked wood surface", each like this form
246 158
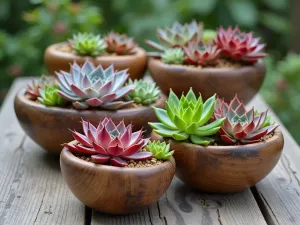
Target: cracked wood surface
32 190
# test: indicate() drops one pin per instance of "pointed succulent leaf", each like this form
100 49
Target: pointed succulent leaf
201 140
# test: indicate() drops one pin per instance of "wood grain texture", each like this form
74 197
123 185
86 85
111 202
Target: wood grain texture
56 60
279 193
32 190
184 206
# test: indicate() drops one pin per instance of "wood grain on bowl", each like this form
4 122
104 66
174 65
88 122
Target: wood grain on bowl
115 190
225 169
226 82
49 126
56 60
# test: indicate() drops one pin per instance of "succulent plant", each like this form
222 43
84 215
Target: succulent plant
160 150
239 45
88 44
50 97
267 122
241 126
109 143
201 53
209 35
187 118
88 86
144 92
33 89
173 56
177 36
119 44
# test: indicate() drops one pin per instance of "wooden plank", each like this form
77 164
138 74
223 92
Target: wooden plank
279 193
32 190
184 206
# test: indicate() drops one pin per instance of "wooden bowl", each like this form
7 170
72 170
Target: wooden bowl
48 126
115 190
225 169
244 81
57 60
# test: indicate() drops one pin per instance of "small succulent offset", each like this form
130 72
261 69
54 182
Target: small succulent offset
119 44
88 86
88 44
187 118
242 126
177 36
238 45
109 143
33 89
201 53
173 56
209 35
160 150
144 92
50 97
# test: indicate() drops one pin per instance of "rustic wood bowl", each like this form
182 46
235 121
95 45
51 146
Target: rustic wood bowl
57 60
225 169
48 126
115 190
244 81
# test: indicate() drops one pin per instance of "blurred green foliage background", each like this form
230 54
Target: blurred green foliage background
28 27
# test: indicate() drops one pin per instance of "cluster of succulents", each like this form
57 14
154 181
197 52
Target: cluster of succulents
187 118
113 144
33 89
206 47
242 126
50 97
144 93
88 44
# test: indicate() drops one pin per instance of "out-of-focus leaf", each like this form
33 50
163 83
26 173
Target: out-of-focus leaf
203 7
275 22
243 12
277 4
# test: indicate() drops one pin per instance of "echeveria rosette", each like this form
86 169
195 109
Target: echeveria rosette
187 118
173 56
32 89
88 44
88 86
120 44
50 97
242 126
239 45
144 93
201 53
160 150
109 143
177 36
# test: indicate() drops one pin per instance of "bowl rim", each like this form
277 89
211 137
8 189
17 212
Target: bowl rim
21 97
242 69
278 136
52 49
100 167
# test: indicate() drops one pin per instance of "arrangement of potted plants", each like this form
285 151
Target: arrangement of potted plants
114 170
114 48
49 106
228 63
219 147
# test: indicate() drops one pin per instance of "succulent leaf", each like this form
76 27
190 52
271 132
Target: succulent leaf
184 119
109 143
88 86
144 93
87 44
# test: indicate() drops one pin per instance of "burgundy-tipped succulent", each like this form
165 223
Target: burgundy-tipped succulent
201 53
109 143
33 89
119 44
241 126
239 45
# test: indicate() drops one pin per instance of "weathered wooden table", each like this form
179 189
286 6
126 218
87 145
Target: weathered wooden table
32 190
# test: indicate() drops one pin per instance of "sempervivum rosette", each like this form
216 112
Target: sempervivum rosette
88 86
242 126
110 143
120 44
239 45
